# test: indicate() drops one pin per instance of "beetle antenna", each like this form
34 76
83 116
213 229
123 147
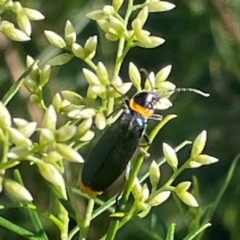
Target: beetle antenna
147 76
189 90
116 90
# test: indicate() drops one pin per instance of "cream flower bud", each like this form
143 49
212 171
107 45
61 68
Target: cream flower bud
69 153
160 198
87 113
50 118
5 117
18 152
143 15
154 174
160 6
117 25
183 186
13 33
204 159
46 136
51 174
18 138
170 156
137 190
117 4
78 50
65 133
145 192
90 47
70 33
72 97
17 7
57 102
91 77
28 129
84 127
163 74
134 76
24 23
53 157
199 144
33 14
55 39
45 75
108 10
187 198
100 121
88 136
17 190
102 74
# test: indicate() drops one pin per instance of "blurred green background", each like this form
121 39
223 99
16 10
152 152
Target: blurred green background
203 46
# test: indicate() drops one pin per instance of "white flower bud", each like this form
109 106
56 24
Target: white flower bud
199 144
65 133
134 76
24 23
33 14
50 118
5 117
91 77
70 33
69 153
18 138
51 174
170 156
17 190
160 198
55 39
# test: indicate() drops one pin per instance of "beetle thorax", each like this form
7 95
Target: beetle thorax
144 103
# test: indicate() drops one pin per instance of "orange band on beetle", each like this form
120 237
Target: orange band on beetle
88 190
146 112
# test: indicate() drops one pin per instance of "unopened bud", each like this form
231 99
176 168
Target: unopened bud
170 156
17 190
69 153
51 174
160 198
55 39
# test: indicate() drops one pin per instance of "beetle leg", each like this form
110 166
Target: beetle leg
156 117
144 153
147 141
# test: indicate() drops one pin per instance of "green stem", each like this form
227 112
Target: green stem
63 216
87 219
4 157
73 232
31 206
15 87
90 63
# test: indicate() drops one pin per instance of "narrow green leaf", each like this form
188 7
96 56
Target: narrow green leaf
198 231
170 233
18 230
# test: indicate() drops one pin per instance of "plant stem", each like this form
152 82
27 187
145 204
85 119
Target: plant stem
15 87
87 219
63 216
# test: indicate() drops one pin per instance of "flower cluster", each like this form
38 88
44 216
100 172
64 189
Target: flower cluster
24 16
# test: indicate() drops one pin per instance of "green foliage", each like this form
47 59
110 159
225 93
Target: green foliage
69 121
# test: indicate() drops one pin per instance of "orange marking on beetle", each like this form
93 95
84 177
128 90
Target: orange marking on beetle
146 112
88 190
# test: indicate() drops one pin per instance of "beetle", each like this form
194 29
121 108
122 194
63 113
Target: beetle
110 156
